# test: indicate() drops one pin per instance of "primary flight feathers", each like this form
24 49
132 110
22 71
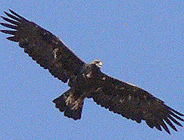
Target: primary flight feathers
87 80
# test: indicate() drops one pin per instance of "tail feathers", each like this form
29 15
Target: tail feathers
60 101
75 114
68 110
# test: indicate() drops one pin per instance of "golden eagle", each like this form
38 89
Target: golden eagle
87 80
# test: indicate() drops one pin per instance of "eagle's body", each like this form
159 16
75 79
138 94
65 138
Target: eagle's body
87 80
82 85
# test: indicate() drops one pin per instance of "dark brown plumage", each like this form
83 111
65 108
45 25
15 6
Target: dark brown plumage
87 80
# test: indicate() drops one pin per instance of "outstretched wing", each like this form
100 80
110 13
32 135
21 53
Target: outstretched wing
44 47
134 103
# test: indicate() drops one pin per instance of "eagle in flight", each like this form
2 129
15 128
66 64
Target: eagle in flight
87 80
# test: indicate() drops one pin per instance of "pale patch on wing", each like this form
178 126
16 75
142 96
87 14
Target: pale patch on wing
121 101
99 89
55 52
103 78
122 88
129 97
89 75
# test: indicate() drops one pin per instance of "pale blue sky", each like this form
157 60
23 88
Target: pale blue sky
140 42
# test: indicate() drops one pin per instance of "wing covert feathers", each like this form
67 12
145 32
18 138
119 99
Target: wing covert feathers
136 104
44 47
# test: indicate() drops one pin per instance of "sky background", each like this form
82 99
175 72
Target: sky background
140 42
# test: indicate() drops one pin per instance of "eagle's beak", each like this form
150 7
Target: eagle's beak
100 64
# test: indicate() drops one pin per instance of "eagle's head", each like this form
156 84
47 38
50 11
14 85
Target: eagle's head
98 63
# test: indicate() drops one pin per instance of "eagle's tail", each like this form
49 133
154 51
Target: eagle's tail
71 107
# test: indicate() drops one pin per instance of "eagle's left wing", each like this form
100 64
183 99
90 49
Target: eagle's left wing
134 103
43 47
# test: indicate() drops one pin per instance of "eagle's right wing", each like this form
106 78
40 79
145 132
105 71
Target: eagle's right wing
44 47
134 103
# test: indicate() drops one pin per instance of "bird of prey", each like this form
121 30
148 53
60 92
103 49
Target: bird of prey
87 80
